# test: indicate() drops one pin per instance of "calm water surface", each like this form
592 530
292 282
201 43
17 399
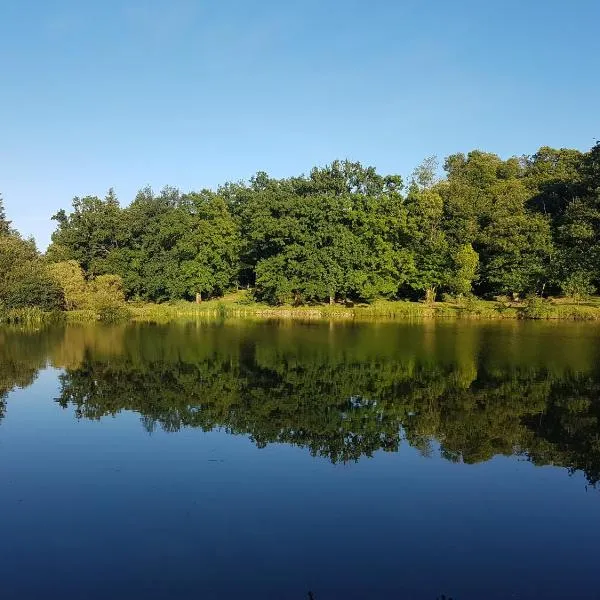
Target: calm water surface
244 460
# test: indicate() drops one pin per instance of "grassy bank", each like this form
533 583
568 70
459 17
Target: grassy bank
31 317
239 305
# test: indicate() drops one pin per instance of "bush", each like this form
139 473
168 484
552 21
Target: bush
69 276
107 296
246 298
113 314
536 308
578 286
33 290
448 298
104 295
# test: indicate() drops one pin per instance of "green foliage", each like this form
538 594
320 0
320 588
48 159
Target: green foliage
4 222
536 307
578 285
88 234
466 261
554 178
70 277
102 297
108 298
337 234
24 279
343 233
428 242
163 246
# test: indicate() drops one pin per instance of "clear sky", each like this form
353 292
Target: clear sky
192 93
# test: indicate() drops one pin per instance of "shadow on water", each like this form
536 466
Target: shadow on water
469 392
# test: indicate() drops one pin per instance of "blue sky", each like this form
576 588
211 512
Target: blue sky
193 93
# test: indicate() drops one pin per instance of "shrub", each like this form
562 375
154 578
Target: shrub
113 314
107 293
69 276
578 286
536 308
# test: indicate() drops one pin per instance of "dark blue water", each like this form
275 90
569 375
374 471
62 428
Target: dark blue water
268 461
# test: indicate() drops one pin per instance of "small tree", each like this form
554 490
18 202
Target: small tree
108 297
578 286
466 262
69 276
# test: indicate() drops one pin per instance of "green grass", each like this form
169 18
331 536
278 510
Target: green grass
30 316
240 305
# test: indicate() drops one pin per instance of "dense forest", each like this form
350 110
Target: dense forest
342 394
490 227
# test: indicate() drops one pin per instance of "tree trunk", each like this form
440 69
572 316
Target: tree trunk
331 299
430 295
198 297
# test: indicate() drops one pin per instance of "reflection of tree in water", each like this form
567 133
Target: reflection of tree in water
344 409
23 352
340 394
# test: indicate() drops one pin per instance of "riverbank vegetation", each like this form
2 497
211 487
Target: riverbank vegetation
493 237
237 305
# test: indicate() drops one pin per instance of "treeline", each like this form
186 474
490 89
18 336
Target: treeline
489 227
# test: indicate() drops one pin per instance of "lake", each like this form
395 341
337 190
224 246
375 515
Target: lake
288 460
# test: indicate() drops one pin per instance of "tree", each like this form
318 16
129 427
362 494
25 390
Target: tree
466 262
425 174
578 285
516 245
577 232
4 222
428 241
336 234
88 234
206 253
24 280
70 277
554 178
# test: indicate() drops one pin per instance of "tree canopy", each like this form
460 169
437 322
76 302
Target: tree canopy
343 232
24 279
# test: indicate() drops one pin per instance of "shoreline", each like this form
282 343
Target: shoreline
231 307
535 309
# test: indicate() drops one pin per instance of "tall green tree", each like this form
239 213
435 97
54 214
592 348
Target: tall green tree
206 253
578 232
88 234
4 222
554 178
24 279
428 241
515 244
